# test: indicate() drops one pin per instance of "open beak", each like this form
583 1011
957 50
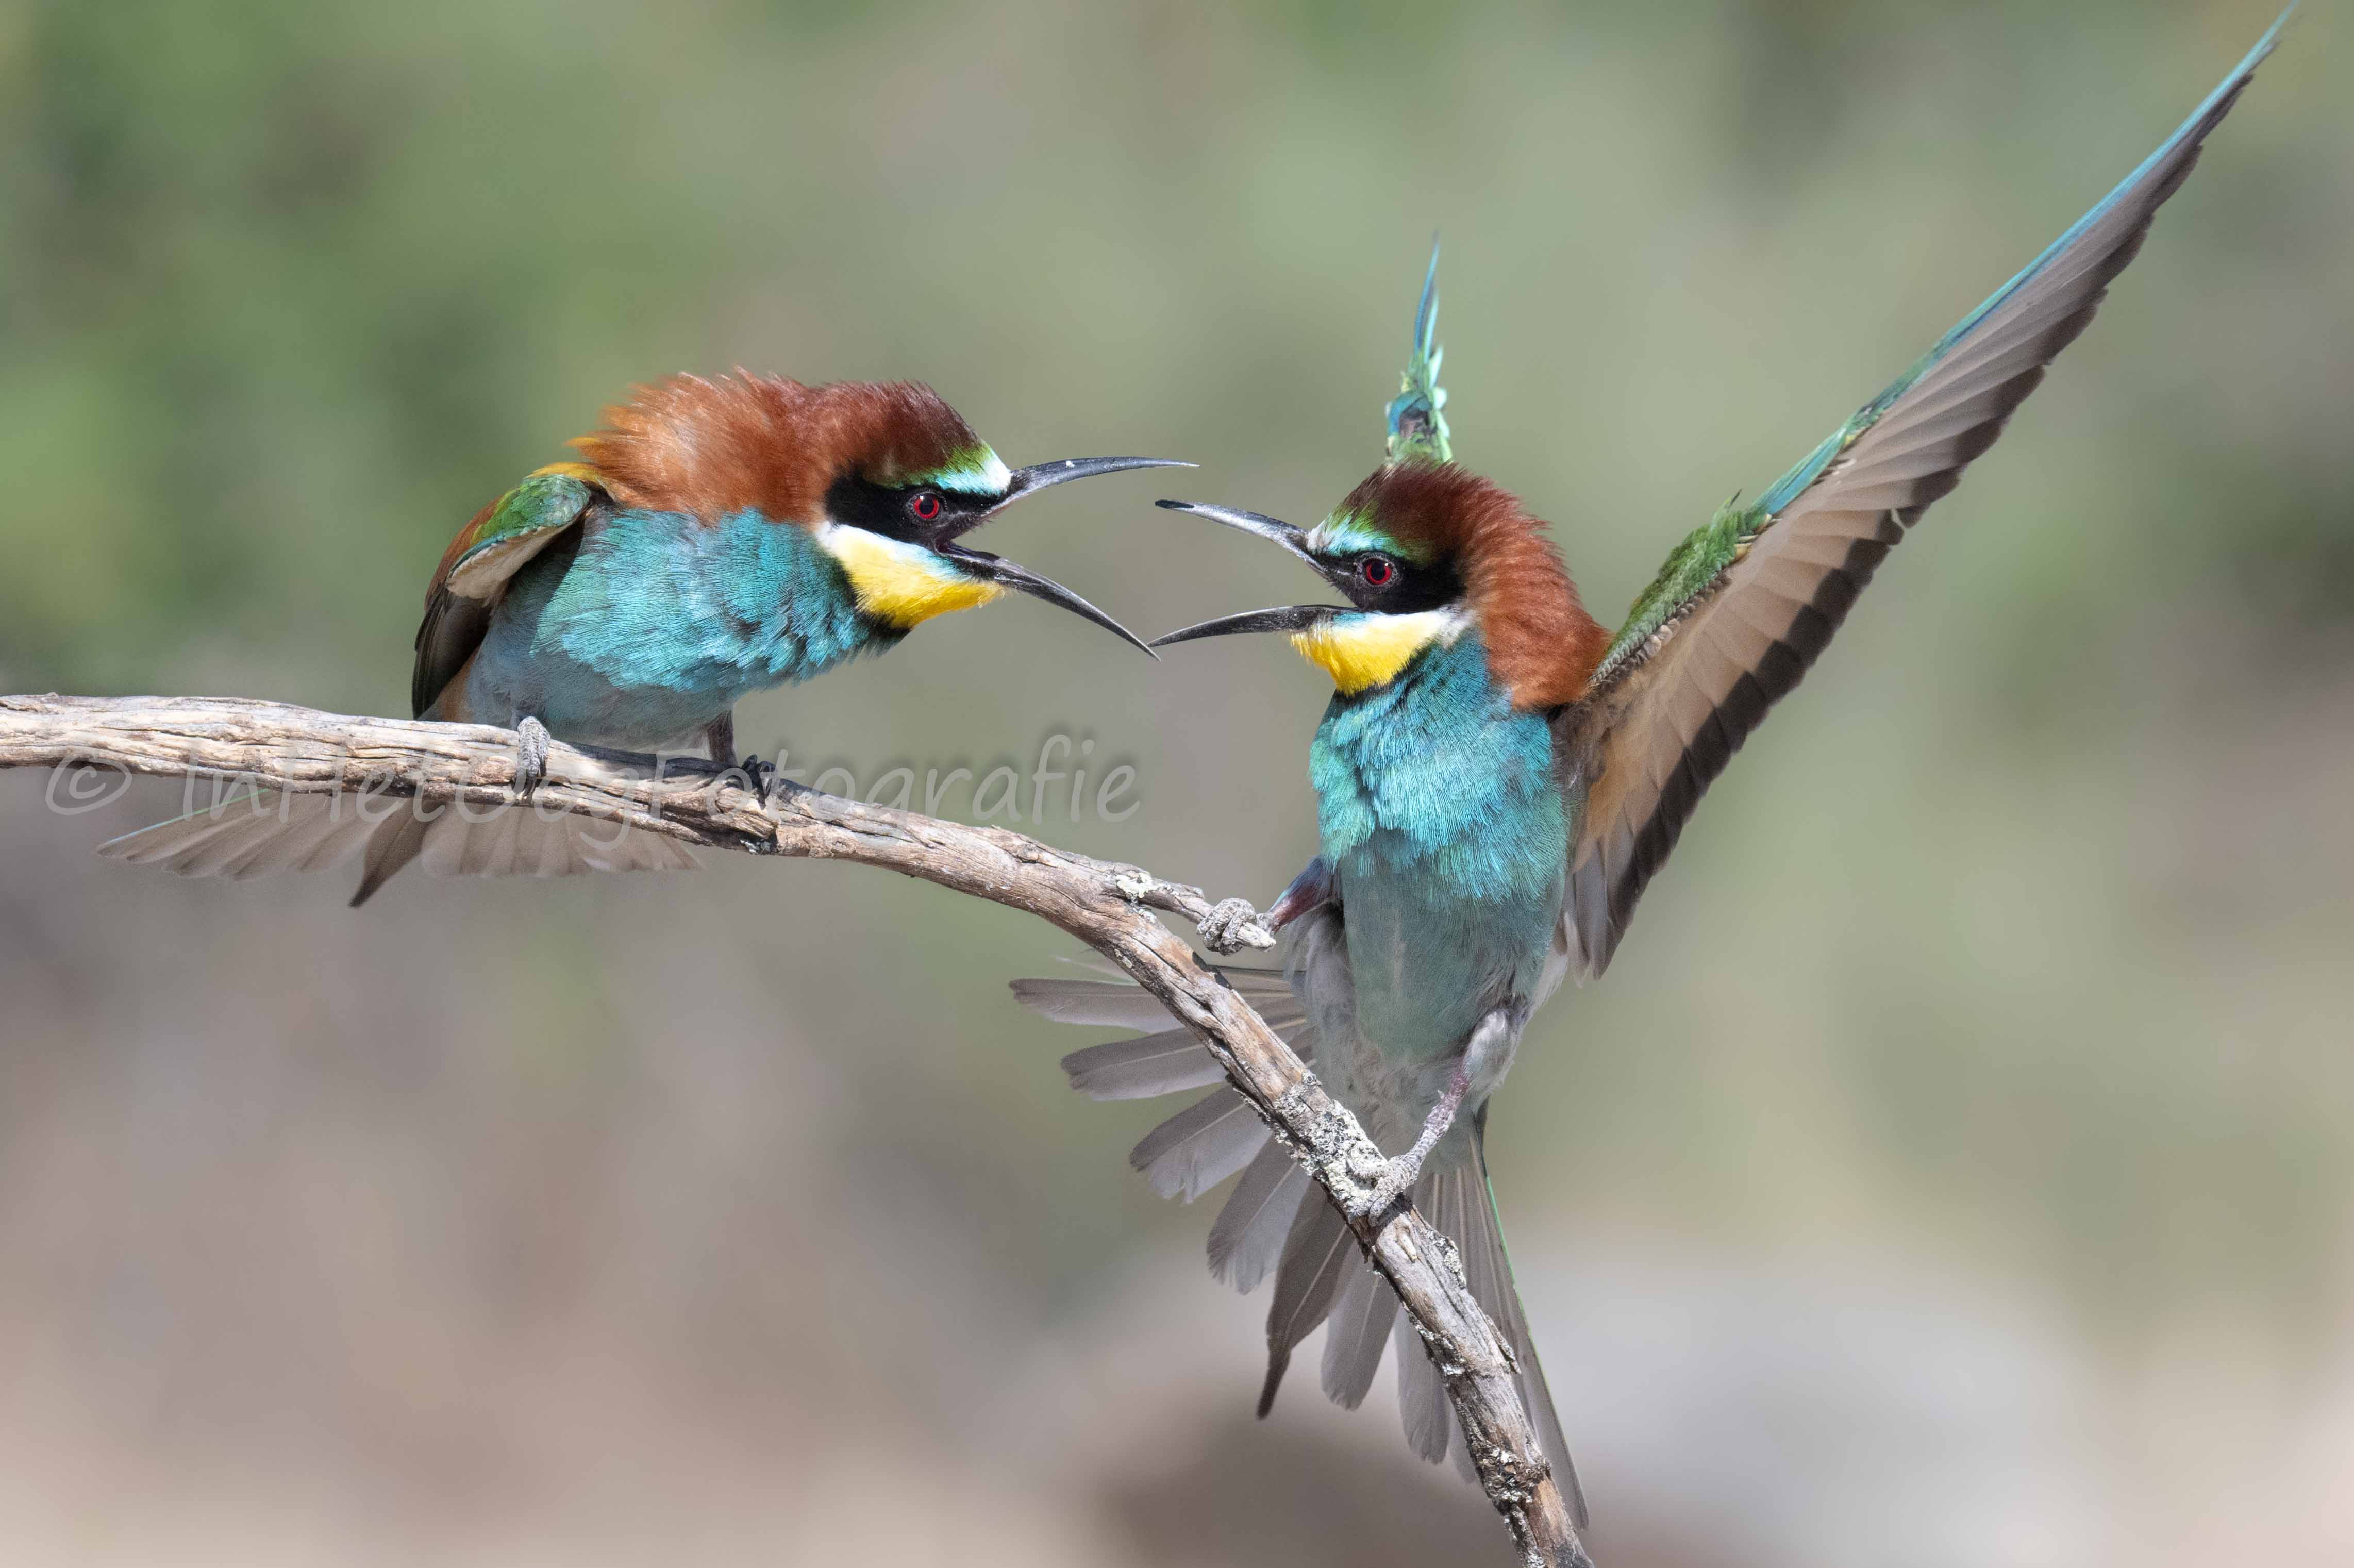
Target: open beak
1284 618
1021 579
1006 574
1271 528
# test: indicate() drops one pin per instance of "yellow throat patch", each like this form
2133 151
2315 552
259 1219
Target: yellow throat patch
899 584
1363 650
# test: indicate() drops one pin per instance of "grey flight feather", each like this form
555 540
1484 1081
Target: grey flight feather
1116 1005
247 836
1305 1283
1123 1004
1430 1424
1246 1239
1463 1207
1163 1063
253 835
1357 1332
1277 1220
1201 1146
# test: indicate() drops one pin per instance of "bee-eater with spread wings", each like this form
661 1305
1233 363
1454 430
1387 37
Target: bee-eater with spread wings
1499 776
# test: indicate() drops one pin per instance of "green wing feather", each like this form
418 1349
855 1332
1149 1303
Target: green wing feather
513 529
1746 603
1417 421
482 560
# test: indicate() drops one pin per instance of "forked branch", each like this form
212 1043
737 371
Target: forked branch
1105 905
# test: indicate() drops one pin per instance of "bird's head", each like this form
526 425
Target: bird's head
1426 553
886 476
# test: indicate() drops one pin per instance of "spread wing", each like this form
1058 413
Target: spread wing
1743 606
482 560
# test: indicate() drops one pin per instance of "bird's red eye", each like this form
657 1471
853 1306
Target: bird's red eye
923 506
1376 570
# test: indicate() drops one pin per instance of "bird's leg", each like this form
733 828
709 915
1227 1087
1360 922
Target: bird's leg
531 744
1311 889
1399 1175
720 738
1221 929
1488 1049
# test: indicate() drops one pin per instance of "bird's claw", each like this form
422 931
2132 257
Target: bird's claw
1223 928
533 744
759 777
1395 1179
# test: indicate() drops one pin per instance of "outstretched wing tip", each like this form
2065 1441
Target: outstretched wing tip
1746 602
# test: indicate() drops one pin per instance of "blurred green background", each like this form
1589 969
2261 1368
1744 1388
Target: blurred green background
1954 1168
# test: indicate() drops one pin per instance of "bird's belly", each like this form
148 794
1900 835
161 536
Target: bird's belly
1428 965
581 704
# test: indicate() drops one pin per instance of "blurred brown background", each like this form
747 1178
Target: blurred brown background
1954 1169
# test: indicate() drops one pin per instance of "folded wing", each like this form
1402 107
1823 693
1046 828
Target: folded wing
482 560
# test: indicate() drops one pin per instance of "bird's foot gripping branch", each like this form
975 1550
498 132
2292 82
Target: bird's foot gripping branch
292 751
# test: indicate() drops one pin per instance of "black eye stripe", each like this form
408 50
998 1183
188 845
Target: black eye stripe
1377 581
893 512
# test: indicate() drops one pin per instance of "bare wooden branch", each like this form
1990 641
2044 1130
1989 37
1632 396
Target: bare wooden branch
1103 904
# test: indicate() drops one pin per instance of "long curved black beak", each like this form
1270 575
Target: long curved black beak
1043 476
1021 579
1039 475
1291 538
1283 618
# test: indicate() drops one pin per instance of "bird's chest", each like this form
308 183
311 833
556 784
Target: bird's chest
654 623
1441 818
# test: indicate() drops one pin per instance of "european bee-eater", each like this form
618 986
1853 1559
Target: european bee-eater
716 538
1498 776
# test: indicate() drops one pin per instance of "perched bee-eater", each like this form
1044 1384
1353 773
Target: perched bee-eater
1499 775
717 538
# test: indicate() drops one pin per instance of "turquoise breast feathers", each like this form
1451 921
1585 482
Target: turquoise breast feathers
655 623
1446 830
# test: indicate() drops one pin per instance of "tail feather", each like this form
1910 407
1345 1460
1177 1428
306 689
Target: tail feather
1248 1237
328 847
236 838
224 851
1305 1283
312 837
1276 1220
392 846
1124 1004
1422 1394
1463 1206
1358 1332
1269 992
1114 1004
1201 1146
1452 1212
491 848
559 855
1163 1063
258 833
